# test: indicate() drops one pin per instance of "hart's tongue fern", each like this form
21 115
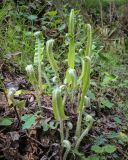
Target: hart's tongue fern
71 83
58 110
71 53
85 77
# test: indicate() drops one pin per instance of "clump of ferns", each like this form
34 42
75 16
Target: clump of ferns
73 83
66 90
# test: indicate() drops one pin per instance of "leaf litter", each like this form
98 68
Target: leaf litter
30 142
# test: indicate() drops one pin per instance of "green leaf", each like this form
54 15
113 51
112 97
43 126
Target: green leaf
106 103
100 140
85 75
29 120
108 78
57 103
92 158
109 148
117 120
39 49
52 13
32 17
85 83
97 149
89 40
103 57
20 104
71 52
5 121
112 135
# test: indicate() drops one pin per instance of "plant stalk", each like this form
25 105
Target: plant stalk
61 136
66 154
85 132
61 132
17 115
78 126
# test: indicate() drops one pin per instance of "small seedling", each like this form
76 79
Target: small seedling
10 96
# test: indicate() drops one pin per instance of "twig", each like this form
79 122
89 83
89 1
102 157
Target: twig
33 139
17 115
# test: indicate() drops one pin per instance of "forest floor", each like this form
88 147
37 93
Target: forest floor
29 134
110 126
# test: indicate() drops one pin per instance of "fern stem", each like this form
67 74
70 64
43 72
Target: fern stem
39 67
61 132
78 126
85 132
66 154
67 145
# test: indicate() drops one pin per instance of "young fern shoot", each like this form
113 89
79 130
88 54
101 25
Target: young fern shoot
50 56
38 57
33 80
71 53
58 110
85 78
89 121
70 78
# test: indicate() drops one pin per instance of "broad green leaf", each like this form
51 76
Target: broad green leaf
109 148
52 13
57 104
49 51
5 121
97 149
106 103
29 120
71 53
